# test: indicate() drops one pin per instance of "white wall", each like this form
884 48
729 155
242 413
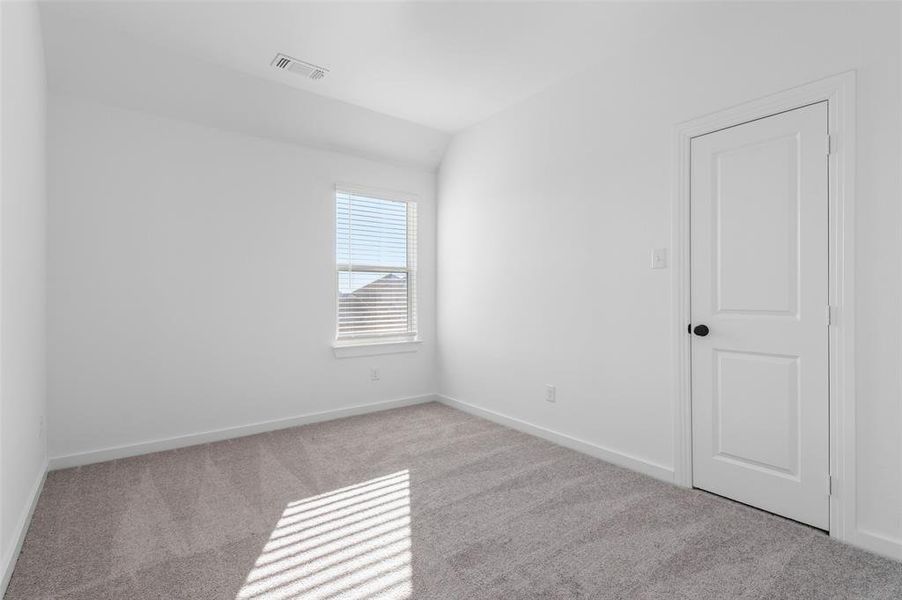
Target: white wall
549 211
191 275
22 265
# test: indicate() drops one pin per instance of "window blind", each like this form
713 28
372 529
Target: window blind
375 265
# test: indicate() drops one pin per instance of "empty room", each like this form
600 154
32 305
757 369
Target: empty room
450 300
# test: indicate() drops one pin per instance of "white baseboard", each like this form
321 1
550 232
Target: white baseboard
606 454
889 547
19 531
105 454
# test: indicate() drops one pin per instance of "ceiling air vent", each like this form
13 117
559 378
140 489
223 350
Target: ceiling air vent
299 67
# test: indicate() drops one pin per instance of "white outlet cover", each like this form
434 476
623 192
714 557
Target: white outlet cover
550 393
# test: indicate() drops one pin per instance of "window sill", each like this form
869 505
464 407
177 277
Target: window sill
373 348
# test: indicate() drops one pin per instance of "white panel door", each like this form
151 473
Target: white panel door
759 210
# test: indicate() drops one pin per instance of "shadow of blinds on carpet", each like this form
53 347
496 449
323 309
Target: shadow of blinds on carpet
348 544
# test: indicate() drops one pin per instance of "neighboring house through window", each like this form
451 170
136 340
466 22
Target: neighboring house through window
375 266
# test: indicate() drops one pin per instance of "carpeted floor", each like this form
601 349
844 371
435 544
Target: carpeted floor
423 502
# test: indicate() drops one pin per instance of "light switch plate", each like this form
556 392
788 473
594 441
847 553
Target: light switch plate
659 258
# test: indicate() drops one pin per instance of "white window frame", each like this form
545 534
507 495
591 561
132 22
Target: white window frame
368 344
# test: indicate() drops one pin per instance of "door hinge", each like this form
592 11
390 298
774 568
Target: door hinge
831 145
829 314
829 485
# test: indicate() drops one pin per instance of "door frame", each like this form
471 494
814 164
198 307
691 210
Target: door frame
839 93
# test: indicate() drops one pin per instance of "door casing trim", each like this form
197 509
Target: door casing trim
839 93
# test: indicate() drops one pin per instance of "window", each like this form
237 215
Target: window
375 266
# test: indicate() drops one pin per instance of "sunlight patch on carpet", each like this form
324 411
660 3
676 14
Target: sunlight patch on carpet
348 544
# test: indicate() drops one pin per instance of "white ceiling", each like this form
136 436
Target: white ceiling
442 65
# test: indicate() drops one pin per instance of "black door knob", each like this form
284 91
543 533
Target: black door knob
701 330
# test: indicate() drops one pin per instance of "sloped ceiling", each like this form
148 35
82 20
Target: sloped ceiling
404 76
109 66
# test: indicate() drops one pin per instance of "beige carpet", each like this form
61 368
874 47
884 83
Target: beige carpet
419 502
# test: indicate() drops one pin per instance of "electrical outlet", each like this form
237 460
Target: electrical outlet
375 375
550 393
